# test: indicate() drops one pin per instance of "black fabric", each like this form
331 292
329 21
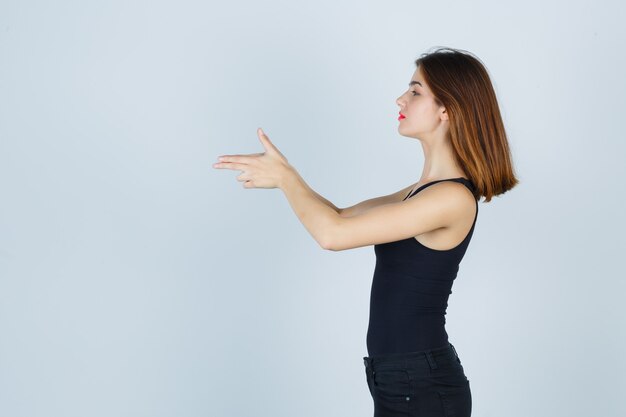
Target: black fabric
430 383
410 290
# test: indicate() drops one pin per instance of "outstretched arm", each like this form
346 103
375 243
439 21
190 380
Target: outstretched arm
371 222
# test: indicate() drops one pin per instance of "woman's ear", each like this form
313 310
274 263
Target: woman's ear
443 114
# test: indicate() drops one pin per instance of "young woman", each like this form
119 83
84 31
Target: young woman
420 233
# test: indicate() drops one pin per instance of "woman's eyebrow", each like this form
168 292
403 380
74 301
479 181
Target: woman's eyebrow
415 82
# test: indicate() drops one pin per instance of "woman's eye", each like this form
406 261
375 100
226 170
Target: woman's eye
414 93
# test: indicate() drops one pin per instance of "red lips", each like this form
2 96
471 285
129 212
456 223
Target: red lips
402 116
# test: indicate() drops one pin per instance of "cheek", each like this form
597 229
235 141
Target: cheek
423 111
416 110
420 117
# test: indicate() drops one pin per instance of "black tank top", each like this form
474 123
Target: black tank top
410 290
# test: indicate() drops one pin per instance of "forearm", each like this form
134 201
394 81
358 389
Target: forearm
317 214
323 200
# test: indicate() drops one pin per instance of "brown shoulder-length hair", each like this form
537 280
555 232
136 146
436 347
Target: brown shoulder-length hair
461 83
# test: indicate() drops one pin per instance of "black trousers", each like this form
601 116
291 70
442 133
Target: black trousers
428 383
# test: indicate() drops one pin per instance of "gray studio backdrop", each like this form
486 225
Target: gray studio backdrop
136 280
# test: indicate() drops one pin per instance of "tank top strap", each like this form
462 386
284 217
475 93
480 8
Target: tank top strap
462 180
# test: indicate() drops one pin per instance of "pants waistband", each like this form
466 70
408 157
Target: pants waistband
432 356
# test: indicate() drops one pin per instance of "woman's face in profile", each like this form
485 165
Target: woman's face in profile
417 104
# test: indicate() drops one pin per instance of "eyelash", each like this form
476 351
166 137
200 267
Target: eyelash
414 93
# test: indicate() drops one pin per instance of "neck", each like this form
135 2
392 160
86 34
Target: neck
439 162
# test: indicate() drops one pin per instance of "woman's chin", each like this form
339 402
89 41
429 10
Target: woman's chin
403 131
406 134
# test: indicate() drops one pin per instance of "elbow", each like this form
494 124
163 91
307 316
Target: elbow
326 245
332 246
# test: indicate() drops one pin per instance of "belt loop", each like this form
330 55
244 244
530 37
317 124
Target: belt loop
431 360
369 368
455 354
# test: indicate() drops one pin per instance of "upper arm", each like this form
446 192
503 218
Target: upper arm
434 207
363 206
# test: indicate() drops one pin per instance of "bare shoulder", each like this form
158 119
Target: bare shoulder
456 196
